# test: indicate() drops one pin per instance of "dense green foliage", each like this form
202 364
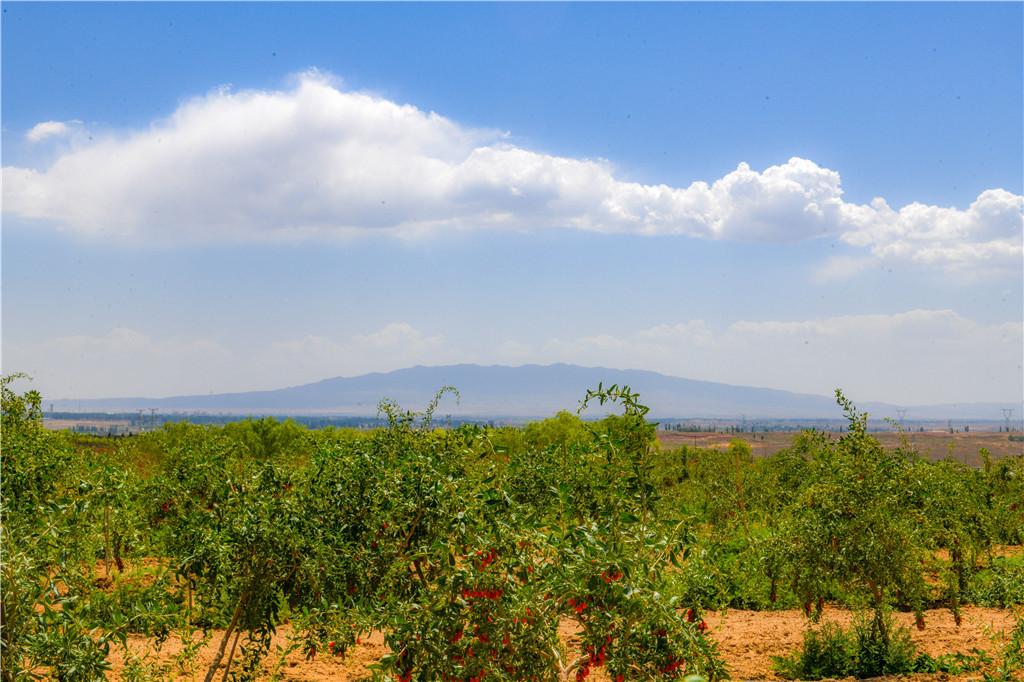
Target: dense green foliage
467 547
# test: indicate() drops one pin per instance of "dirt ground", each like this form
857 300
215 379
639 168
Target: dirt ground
749 639
746 639
963 447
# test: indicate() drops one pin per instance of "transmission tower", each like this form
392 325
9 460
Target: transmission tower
1007 414
901 413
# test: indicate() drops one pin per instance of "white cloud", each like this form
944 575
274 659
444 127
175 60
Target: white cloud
986 234
913 357
919 356
127 362
317 357
47 129
118 363
317 161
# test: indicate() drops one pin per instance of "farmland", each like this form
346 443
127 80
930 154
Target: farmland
559 550
932 444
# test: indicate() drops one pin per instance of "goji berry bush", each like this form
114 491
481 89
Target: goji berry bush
471 548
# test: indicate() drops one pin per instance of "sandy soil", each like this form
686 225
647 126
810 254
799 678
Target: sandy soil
747 640
173 663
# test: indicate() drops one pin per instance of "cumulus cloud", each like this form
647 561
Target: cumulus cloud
987 233
48 129
318 161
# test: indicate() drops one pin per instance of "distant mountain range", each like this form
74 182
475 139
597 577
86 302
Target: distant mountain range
525 391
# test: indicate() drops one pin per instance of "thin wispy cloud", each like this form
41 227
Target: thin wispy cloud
858 352
318 162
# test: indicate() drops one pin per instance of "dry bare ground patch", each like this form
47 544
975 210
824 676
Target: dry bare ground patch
963 447
747 640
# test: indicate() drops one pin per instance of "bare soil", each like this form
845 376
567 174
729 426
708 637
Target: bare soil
747 640
935 445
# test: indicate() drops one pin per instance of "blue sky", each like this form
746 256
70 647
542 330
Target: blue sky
237 196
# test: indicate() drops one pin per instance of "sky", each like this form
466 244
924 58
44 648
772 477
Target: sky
219 197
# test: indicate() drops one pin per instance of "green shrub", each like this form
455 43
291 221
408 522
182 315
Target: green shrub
1001 585
882 649
1011 660
866 650
952 664
854 528
828 651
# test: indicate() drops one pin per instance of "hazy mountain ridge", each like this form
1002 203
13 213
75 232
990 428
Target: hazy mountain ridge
525 391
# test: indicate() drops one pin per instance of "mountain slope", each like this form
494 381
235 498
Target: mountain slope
525 391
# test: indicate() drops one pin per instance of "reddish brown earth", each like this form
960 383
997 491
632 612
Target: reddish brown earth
746 639
749 639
